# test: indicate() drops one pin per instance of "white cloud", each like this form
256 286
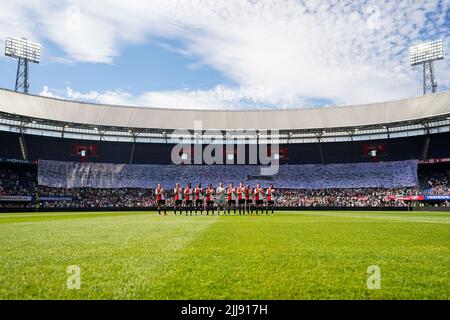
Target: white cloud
294 50
222 97
46 92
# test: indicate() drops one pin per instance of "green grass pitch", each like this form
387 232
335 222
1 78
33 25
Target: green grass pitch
291 255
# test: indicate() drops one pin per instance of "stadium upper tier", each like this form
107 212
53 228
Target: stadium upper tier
436 106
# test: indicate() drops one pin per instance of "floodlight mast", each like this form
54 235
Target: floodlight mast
25 52
22 83
429 83
425 54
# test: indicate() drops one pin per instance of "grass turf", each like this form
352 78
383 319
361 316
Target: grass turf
292 255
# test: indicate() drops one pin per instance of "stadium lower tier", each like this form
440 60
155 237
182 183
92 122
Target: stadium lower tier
35 147
19 189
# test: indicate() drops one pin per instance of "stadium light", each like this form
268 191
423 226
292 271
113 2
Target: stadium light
25 52
425 54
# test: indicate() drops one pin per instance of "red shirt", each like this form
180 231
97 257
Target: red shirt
197 193
247 193
208 194
269 194
187 192
158 194
230 193
257 191
177 193
239 192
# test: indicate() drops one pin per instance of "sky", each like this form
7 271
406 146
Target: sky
230 54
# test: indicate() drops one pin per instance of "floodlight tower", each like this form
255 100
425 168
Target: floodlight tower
425 54
25 52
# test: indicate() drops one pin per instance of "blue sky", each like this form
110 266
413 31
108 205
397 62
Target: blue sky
226 54
139 68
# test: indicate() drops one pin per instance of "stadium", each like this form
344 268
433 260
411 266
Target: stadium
404 144
225 154
388 157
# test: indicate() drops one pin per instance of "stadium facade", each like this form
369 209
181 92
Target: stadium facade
416 128
422 115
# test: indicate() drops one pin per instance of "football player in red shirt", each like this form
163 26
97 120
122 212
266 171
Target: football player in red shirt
248 199
177 198
241 198
231 196
258 195
209 203
188 198
160 201
270 199
198 192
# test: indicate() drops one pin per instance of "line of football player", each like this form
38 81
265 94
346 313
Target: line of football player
242 199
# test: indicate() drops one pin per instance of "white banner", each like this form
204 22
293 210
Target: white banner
311 176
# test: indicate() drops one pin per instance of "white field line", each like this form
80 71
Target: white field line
72 213
383 217
368 215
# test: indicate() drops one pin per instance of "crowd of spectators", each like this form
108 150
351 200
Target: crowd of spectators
23 182
16 182
367 197
438 183
97 198
121 198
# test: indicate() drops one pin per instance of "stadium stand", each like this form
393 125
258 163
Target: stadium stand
50 148
436 183
311 176
21 181
9 146
378 155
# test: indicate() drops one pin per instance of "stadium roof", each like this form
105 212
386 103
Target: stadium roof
70 112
